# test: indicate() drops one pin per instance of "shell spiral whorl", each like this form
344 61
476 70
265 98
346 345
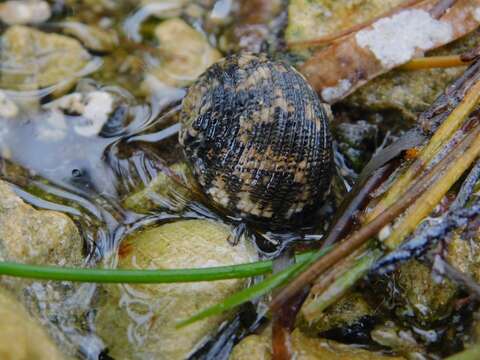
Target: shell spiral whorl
257 138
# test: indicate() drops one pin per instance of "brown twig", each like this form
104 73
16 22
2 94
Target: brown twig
355 202
441 8
471 54
431 62
280 341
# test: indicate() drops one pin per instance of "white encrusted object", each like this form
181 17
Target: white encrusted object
420 31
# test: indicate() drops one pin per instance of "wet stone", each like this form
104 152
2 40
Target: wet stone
162 192
184 55
24 12
35 236
398 339
357 142
92 37
138 321
22 338
419 299
31 59
311 19
350 312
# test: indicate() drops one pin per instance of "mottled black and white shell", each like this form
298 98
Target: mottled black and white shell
257 138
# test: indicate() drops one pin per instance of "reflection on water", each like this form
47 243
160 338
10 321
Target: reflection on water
62 160
80 145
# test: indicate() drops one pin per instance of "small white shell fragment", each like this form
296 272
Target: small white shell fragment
98 107
330 94
17 12
391 47
384 233
95 108
8 109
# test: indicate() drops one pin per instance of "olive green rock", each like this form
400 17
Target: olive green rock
163 192
35 236
32 59
349 310
138 321
310 19
419 298
184 55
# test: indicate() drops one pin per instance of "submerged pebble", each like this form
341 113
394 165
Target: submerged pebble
92 37
24 12
8 108
22 337
32 59
161 193
184 54
138 321
35 236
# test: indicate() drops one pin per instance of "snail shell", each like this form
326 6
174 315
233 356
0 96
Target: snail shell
257 138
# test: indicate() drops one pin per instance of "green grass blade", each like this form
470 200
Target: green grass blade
256 290
43 272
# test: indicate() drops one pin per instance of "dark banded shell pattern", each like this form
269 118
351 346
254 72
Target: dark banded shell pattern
258 139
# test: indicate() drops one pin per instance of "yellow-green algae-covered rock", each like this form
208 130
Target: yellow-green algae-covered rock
161 192
419 298
35 236
258 347
185 54
21 337
309 19
349 310
32 59
138 321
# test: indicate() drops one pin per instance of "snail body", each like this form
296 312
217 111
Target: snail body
257 138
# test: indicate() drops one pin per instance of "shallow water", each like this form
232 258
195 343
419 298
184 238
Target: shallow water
60 158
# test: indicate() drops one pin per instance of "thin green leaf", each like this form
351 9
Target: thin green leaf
341 285
255 291
43 272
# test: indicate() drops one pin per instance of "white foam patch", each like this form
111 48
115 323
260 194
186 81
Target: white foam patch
394 40
330 94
